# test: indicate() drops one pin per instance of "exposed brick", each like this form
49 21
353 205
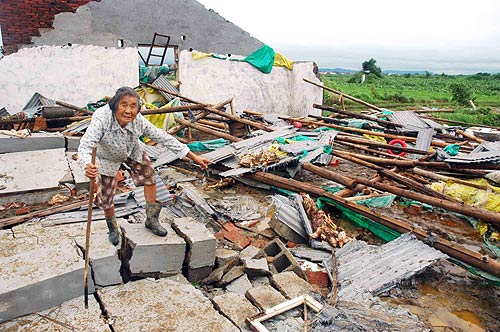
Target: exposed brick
21 19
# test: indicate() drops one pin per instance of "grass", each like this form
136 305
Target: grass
416 91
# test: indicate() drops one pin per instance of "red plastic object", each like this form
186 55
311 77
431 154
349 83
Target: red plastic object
399 142
297 124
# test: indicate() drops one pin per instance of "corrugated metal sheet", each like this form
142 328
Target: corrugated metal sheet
288 215
163 82
365 270
299 147
3 113
162 194
78 127
36 101
487 146
476 158
407 118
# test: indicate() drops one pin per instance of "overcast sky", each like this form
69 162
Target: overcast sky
450 36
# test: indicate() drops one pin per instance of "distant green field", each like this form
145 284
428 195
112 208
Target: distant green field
398 92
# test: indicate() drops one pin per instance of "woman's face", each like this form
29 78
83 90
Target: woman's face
127 110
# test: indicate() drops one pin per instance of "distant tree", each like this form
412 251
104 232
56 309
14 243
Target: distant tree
461 93
371 67
428 74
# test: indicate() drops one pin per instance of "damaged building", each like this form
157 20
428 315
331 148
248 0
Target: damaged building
309 217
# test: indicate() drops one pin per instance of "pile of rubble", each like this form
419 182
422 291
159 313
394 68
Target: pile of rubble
234 258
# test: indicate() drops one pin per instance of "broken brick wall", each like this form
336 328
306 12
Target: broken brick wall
118 23
21 19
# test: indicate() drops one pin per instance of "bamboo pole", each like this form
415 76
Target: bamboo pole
439 177
378 144
460 122
452 249
173 109
362 102
362 131
357 115
73 107
209 131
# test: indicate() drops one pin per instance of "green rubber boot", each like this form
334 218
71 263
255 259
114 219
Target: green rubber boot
152 222
114 232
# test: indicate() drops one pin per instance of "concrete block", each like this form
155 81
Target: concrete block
161 305
198 274
68 316
34 142
234 273
281 259
223 255
256 267
150 254
264 297
72 143
240 285
103 258
36 280
251 252
200 242
291 285
235 307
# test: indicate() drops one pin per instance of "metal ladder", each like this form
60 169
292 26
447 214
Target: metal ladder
154 44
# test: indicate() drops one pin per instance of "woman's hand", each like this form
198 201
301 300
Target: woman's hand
201 161
91 171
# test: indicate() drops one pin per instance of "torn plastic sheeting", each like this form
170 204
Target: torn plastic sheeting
471 196
209 145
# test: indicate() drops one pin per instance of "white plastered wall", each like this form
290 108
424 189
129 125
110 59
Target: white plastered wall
282 91
76 74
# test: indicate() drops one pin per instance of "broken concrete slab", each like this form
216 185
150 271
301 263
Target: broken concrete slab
201 242
150 254
223 255
352 316
161 305
235 307
251 252
240 285
23 172
234 273
256 267
33 281
68 316
219 272
33 142
79 178
387 265
104 259
265 296
291 285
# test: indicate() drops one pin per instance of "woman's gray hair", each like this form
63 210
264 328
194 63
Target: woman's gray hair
123 91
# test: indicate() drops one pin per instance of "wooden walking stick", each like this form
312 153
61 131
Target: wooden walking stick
87 235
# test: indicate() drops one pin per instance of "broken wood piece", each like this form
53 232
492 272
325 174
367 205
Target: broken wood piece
469 136
392 175
439 177
358 115
209 131
452 249
73 107
255 321
239 119
378 144
362 102
172 109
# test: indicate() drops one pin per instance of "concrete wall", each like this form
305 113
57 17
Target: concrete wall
103 23
282 91
76 74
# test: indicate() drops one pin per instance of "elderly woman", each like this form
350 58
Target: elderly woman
116 129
